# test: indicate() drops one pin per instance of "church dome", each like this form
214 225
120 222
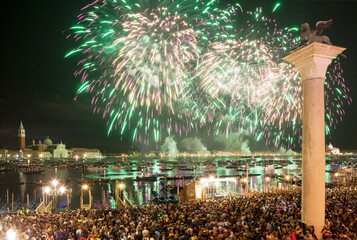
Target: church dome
48 141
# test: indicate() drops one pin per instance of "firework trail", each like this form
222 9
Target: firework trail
136 59
179 66
255 91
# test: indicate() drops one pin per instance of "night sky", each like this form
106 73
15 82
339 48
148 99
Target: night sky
38 86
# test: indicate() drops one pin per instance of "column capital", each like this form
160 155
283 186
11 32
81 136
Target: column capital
312 60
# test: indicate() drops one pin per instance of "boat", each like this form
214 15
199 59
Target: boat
146 178
32 170
166 169
186 169
231 166
40 182
92 168
177 177
115 168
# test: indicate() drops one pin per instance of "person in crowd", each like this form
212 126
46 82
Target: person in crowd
258 216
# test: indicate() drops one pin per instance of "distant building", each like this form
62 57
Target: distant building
21 135
85 153
47 149
3 153
332 150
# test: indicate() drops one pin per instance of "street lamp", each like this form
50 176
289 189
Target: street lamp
53 190
121 188
54 183
287 177
47 191
267 180
62 190
246 186
85 187
336 178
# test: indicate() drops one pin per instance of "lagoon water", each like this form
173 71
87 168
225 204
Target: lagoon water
141 191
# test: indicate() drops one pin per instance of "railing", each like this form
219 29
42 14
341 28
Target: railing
120 203
127 202
41 208
48 208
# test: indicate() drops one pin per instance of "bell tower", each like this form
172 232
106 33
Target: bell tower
21 135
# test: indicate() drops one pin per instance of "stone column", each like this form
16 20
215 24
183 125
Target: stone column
312 62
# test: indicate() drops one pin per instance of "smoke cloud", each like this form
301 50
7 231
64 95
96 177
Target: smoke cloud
283 151
191 145
229 143
170 146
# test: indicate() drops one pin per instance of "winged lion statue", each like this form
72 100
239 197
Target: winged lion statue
309 36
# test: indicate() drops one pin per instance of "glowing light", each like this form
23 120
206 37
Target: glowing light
47 190
54 182
160 66
277 5
62 190
216 180
85 186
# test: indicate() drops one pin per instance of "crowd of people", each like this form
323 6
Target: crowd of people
258 216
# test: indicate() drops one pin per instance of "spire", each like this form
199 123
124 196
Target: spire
21 126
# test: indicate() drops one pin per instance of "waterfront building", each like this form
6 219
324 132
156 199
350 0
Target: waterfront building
85 153
3 153
332 150
47 149
21 135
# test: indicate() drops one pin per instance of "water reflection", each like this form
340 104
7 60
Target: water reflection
141 191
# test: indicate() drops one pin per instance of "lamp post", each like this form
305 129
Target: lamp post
121 188
287 177
54 183
55 190
336 178
46 192
267 183
245 180
84 188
